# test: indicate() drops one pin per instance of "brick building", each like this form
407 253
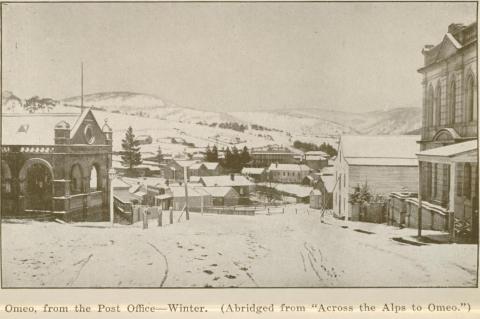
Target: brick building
450 111
55 165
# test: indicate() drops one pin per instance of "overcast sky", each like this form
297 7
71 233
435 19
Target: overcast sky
228 56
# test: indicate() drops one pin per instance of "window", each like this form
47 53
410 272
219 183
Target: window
467 180
452 102
76 180
438 105
471 100
94 179
434 180
430 106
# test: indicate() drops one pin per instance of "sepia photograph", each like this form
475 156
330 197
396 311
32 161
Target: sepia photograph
239 145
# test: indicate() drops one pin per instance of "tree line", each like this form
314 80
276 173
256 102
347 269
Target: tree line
234 159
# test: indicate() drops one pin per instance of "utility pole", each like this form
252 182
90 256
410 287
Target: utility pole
419 211
81 94
185 179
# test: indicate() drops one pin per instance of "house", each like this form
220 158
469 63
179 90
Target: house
288 173
326 184
316 160
175 197
315 199
174 169
264 156
257 174
241 184
223 196
386 163
144 139
449 134
56 164
205 169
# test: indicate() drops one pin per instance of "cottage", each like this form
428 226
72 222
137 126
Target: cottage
56 164
315 199
257 174
175 197
385 163
240 183
223 196
205 169
288 173
326 184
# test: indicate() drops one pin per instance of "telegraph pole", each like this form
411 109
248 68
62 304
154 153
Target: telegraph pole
185 178
81 94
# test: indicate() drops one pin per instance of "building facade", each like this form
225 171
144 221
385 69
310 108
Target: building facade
55 165
288 173
265 156
450 116
385 163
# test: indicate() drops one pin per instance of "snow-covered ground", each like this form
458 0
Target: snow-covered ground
278 250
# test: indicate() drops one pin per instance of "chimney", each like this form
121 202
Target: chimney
232 177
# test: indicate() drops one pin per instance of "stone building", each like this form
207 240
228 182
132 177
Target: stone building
450 111
55 165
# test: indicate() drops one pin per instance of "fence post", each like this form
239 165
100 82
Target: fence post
145 218
268 211
295 211
283 210
160 216
451 226
171 214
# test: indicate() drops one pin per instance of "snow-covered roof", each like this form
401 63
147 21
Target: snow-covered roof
315 192
226 180
380 149
451 150
211 165
289 167
328 182
375 161
194 179
179 191
185 163
220 191
33 129
196 166
120 183
253 170
320 153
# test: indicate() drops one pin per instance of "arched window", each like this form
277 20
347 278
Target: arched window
471 100
452 102
430 106
438 105
95 180
76 180
6 177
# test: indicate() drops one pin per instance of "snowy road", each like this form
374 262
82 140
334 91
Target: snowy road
281 250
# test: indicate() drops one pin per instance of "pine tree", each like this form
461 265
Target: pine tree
131 156
227 162
214 153
235 159
208 155
245 157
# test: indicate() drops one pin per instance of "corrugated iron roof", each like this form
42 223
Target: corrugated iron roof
380 146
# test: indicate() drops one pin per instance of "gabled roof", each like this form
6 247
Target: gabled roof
220 191
226 180
289 167
179 191
253 170
379 149
33 129
211 165
329 182
185 163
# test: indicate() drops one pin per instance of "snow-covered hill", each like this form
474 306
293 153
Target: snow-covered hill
301 121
